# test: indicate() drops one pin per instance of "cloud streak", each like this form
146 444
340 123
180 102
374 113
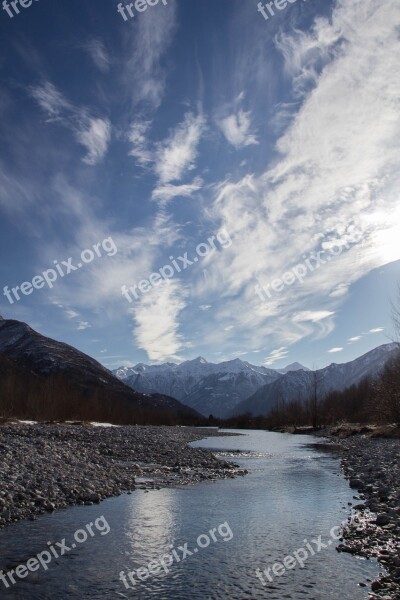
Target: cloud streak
157 321
145 73
319 188
96 138
237 130
92 133
177 154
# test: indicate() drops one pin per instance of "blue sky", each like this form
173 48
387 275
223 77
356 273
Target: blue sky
191 120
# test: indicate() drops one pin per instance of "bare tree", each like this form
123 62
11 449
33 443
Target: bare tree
314 400
387 393
387 388
316 397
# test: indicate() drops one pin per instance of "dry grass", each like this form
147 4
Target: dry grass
345 429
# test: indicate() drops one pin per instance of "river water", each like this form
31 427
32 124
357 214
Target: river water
292 495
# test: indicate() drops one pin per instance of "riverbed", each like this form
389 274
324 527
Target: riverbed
292 495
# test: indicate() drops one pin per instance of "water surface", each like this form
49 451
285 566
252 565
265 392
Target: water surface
293 494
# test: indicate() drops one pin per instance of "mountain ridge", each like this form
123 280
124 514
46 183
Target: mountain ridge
208 388
81 374
230 387
298 385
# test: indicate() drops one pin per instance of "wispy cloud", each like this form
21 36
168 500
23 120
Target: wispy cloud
93 133
171 158
278 354
140 145
50 99
313 316
98 54
145 72
296 193
237 129
318 188
177 154
335 350
157 325
165 193
355 338
95 138
17 191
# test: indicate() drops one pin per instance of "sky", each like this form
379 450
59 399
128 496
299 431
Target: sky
200 180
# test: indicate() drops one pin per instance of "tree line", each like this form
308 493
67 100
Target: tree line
57 397
370 401
25 395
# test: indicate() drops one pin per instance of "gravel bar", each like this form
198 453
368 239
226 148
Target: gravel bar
44 467
372 466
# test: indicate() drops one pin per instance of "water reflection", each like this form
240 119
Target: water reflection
150 523
291 493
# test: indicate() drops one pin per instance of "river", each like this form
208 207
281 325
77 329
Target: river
292 495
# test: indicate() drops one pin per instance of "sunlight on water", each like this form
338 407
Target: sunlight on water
292 494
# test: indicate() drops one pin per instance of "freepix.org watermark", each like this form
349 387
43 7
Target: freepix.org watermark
15 4
54 550
50 276
301 555
140 6
268 9
312 262
177 265
164 562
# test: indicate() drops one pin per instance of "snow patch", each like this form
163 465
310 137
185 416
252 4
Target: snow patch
103 424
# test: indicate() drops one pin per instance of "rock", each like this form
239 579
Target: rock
45 467
372 466
376 586
382 520
356 484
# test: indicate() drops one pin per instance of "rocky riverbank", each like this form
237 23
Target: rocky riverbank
44 467
372 466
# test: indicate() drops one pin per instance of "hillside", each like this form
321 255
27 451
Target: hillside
206 387
54 380
298 385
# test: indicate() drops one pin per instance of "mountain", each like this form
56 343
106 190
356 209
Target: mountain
208 388
293 367
298 385
79 379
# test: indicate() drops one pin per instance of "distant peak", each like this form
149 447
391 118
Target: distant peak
234 361
294 367
201 360
237 361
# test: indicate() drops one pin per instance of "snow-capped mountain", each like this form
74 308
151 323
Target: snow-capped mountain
236 386
298 385
293 367
218 393
209 388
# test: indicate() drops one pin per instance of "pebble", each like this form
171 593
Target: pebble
45 467
372 466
